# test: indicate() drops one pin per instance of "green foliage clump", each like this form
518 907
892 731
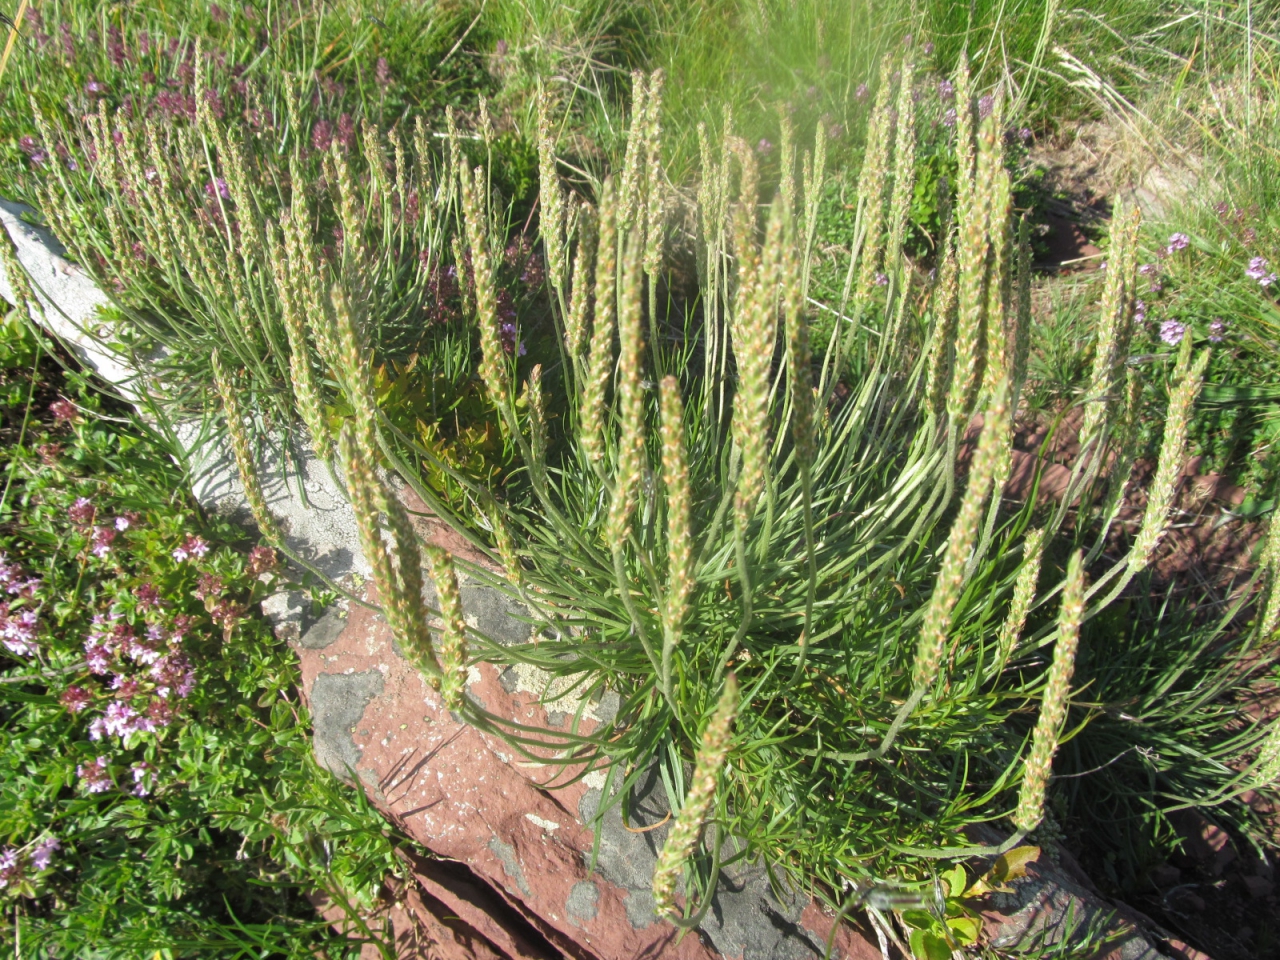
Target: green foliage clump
157 791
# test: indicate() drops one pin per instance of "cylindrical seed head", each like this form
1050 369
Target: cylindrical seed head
687 829
964 533
453 632
675 475
1057 695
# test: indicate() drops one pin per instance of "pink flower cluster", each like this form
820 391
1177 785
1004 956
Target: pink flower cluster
18 628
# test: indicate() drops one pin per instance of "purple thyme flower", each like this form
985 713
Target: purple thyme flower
1217 330
321 136
98 657
95 88
96 775
1147 269
42 854
117 720
10 869
1178 241
75 698
18 633
382 72
1140 310
102 537
860 94
193 546
217 188
1172 332
946 90
881 280
81 512
928 48
1258 271
949 118
764 147
140 771
986 104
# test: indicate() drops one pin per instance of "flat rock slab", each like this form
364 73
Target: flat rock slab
514 853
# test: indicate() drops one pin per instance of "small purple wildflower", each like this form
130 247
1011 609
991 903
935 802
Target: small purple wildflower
18 632
860 94
928 48
95 88
193 546
217 188
81 512
1248 236
321 136
946 91
986 104
64 411
764 147
140 771
75 698
96 775
1257 270
1172 332
1147 269
382 72
881 280
1140 310
10 869
42 854
1178 241
1217 330
102 537
949 118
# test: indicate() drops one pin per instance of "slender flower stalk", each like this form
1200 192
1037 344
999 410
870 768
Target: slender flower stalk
395 577
1271 564
904 171
493 364
630 402
654 186
687 829
24 298
575 333
600 362
755 332
1021 335
1172 456
242 450
1266 769
537 420
551 196
1114 323
1057 696
964 533
453 632
675 475
871 187
1024 593
306 392
974 238
941 348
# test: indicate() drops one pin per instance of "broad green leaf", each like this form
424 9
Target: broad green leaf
919 919
956 880
929 946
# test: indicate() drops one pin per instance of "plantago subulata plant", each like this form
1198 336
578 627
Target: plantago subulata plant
698 495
